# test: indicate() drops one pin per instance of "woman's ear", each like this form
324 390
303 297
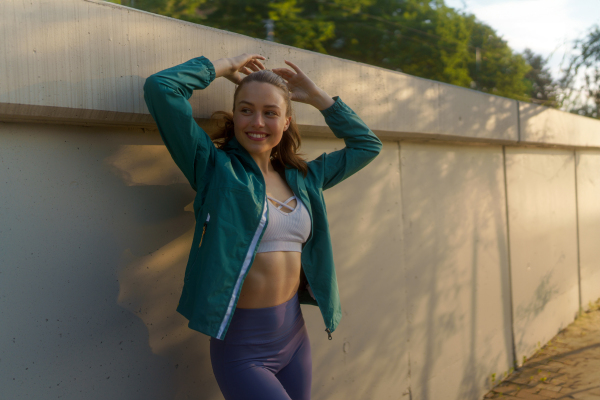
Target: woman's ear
287 123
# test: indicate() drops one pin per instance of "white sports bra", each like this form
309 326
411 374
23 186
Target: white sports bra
286 231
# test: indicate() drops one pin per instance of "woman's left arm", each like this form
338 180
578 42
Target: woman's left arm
362 145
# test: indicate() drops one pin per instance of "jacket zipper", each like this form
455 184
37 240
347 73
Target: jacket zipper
204 228
245 267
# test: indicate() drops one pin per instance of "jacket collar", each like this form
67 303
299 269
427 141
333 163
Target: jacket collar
234 144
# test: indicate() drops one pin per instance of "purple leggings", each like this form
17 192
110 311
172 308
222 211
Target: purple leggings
265 354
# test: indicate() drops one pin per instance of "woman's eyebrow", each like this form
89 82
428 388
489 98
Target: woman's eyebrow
267 105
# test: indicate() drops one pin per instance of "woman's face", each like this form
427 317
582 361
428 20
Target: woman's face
259 117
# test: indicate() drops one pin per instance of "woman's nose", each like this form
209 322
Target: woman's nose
258 120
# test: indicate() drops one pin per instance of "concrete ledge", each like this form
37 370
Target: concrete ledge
541 125
72 116
27 113
477 115
87 60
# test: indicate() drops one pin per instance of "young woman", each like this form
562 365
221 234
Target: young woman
261 246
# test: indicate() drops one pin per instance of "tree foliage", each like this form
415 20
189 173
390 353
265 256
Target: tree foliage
541 85
422 38
582 76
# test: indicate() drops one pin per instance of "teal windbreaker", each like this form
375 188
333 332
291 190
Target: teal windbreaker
230 206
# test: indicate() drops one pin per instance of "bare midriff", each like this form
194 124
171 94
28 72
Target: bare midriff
273 279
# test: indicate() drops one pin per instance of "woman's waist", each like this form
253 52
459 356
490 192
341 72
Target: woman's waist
266 324
272 279
274 272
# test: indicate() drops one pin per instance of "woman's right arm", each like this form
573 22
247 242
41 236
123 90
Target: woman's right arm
166 94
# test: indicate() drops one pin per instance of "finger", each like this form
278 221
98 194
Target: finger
245 70
252 66
256 57
258 65
284 73
286 81
294 66
278 71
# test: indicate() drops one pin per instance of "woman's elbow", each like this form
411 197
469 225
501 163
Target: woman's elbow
377 146
151 84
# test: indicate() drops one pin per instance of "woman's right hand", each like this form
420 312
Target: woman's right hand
230 68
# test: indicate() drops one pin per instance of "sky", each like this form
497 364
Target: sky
547 27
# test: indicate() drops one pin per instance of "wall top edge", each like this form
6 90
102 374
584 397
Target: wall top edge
25 113
94 56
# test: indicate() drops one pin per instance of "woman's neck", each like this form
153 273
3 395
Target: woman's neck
264 163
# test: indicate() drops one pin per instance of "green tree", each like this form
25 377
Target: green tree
430 40
181 9
305 24
425 39
422 38
584 66
541 85
501 71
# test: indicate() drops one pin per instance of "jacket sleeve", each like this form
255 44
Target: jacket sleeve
362 146
166 94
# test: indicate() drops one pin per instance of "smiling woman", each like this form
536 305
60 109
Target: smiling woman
263 114
261 245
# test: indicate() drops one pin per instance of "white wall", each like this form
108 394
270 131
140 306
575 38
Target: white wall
457 268
543 241
471 238
588 210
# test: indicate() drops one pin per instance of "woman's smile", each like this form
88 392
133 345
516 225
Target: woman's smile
254 135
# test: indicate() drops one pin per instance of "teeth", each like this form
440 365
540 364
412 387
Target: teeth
257 135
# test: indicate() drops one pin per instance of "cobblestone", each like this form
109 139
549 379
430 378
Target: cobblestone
567 367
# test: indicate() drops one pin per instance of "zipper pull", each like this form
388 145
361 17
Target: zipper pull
204 229
328 333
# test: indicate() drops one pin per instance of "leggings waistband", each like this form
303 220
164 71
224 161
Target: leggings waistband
265 325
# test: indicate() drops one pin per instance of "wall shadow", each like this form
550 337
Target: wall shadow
73 227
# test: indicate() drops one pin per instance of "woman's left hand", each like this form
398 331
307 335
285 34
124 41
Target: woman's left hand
303 89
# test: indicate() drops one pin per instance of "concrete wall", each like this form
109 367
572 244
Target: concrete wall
470 241
588 209
457 268
543 241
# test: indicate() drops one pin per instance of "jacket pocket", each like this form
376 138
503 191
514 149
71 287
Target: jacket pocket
195 251
204 229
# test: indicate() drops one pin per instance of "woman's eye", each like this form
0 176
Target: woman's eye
271 113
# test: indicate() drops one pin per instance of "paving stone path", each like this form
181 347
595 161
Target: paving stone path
568 367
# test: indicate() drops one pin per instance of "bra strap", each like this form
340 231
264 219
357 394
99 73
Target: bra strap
284 204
